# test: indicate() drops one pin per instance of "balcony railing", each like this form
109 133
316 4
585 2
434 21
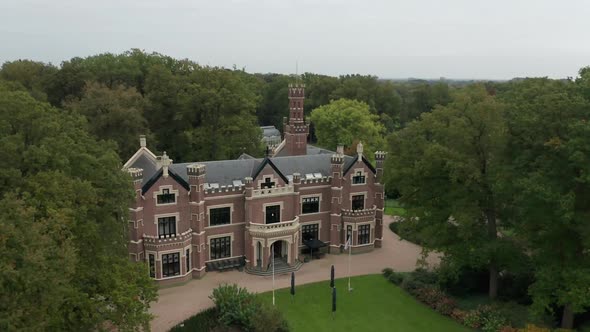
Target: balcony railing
359 213
272 191
152 239
285 226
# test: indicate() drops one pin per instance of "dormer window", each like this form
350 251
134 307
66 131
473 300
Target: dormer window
358 178
268 183
166 197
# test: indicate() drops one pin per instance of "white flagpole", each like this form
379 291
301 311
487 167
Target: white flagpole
349 256
273 274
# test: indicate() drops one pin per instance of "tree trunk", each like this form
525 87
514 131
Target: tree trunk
567 319
493 287
493 268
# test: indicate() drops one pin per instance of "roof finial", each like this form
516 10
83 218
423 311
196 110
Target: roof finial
359 150
142 141
166 161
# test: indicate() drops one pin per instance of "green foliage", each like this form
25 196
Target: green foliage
237 307
65 264
113 113
387 272
204 321
347 122
448 169
550 161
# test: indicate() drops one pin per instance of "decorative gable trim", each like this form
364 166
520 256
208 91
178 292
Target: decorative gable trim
138 153
365 161
265 162
159 174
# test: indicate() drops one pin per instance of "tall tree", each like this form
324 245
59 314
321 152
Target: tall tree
447 167
549 150
113 113
347 122
63 236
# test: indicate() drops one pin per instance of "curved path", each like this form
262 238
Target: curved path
176 304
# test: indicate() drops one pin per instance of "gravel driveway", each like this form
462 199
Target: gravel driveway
178 303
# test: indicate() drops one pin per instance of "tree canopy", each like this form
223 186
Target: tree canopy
347 122
65 202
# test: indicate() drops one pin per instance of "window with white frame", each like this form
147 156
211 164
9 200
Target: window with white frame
219 216
310 231
152 265
170 264
166 197
358 202
358 178
273 214
166 226
220 247
364 234
310 205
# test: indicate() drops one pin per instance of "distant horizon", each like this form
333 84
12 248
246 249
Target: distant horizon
390 78
455 39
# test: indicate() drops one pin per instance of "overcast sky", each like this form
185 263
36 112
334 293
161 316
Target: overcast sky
494 39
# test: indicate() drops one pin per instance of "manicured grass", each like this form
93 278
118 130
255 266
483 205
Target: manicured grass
375 304
394 208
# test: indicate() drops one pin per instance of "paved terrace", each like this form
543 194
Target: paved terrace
178 303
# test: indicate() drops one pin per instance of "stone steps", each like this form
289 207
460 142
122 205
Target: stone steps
281 267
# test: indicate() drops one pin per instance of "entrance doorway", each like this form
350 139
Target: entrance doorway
277 248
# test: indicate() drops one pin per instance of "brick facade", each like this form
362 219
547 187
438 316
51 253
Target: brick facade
176 205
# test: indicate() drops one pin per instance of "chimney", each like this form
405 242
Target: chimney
142 141
359 150
340 149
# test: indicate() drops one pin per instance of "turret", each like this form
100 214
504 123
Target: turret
296 130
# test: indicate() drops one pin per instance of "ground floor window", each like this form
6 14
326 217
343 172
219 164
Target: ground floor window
170 265
220 247
152 265
309 232
364 235
188 260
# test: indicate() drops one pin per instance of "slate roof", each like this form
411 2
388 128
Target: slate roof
268 131
311 150
224 172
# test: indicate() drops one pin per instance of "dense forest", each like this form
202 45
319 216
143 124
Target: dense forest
496 175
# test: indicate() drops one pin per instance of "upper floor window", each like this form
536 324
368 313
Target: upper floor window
358 178
166 226
310 205
219 216
358 202
364 236
273 214
166 197
268 183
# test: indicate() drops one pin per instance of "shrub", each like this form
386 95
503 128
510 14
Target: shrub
396 278
446 305
236 306
269 319
424 276
436 299
387 272
459 315
411 285
534 328
204 321
508 328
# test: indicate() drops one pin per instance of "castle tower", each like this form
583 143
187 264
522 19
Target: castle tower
296 130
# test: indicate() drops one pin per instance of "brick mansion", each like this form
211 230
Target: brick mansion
191 218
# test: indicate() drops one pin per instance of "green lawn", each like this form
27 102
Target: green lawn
375 304
393 207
